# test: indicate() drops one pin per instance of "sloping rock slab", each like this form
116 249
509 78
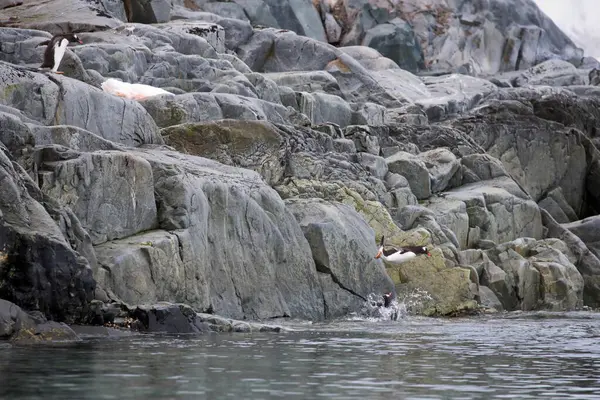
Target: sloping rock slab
59 16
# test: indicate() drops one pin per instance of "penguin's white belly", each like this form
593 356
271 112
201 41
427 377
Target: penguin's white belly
398 258
59 52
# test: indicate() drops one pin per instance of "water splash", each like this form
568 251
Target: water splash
410 303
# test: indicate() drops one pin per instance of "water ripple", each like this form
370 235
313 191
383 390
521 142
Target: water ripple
515 356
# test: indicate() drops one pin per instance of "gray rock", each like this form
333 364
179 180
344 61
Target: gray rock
321 108
110 192
50 331
374 164
40 270
370 58
237 32
442 165
228 10
396 41
342 246
452 94
168 318
363 140
588 230
333 30
266 89
148 267
131 126
211 32
258 12
495 36
291 52
83 16
10 3
190 107
149 11
543 277
307 81
13 319
249 144
489 299
516 141
257 49
585 260
344 146
220 216
220 324
498 211
368 114
556 204
414 170
453 215
298 16
550 73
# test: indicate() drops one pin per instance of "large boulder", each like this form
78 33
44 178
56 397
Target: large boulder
498 211
39 270
585 260
450 290
540 273
249 144
225 248
110 192
298 16
343 247
396 41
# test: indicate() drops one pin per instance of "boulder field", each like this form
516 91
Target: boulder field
296 135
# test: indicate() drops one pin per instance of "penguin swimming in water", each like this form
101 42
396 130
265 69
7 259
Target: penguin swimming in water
56 48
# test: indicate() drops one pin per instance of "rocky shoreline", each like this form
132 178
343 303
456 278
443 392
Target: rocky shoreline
296 135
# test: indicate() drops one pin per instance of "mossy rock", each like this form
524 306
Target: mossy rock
206 138
451 289
247 144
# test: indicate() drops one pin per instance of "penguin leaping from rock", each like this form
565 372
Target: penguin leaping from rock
55 50
396 256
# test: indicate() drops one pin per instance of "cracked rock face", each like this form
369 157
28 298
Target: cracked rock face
258 188
344 251
227 243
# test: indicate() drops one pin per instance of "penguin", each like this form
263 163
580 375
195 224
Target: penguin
399 256
55 50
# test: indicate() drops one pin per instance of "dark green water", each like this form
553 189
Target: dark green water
513 357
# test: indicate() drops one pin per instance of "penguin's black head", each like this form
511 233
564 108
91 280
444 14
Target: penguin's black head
72 37
422 250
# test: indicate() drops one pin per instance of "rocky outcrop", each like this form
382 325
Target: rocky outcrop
259 187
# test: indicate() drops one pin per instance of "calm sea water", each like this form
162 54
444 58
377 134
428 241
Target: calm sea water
537 355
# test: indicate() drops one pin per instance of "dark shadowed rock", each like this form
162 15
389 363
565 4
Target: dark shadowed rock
298 16
39 270
396 41
168 318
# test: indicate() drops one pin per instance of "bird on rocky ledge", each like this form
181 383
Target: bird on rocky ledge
56 48
396 256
